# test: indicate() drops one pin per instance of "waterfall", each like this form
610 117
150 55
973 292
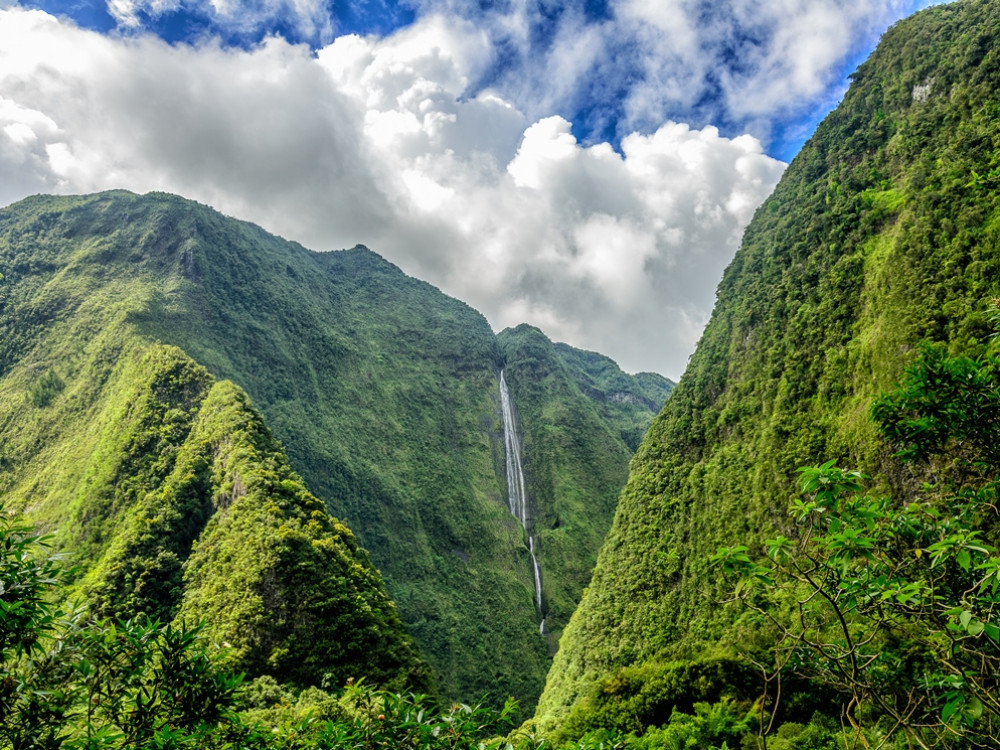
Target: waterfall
517 497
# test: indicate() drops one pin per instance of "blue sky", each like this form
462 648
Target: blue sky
586 167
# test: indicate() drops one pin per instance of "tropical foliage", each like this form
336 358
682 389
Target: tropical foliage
865 616
896 605
68 680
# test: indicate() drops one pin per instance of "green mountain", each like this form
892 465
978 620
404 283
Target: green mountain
118 315
883 232
184 506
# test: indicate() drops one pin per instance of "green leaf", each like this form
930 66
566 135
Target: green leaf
964 559
992 631
951 707
974 709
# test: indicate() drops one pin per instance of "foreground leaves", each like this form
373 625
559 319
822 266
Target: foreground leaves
896 604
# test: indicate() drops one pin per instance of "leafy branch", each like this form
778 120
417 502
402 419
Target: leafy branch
895 604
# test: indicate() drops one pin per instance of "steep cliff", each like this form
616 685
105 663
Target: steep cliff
883 232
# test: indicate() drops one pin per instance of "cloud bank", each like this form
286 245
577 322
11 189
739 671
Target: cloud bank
379 141
611 67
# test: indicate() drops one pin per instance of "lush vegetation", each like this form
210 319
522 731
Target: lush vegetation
67 680
867 617
870 622
624 401
71 680
383 391
189 509
882 233
893 605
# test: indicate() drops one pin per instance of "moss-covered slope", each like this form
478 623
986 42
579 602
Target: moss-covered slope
884 231
161 458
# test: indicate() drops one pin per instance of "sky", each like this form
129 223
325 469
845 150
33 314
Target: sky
586 167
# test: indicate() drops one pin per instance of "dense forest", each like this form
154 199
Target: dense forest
279 478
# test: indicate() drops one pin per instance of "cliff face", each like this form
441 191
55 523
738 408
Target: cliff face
883 232
580 418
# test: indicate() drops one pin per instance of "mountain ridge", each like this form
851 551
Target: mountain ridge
383 391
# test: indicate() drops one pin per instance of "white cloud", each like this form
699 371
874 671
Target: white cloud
379 142
128 13
733 63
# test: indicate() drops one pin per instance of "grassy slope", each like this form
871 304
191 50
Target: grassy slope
577 412
383 391
883 231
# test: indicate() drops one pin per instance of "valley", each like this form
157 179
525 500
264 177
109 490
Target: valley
384 393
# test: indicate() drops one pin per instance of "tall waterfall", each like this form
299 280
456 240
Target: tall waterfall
517 497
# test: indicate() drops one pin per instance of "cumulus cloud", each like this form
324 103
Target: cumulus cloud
615 251
745 62
380 141
631 64
612 67
262 134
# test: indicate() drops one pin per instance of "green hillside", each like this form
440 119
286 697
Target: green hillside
883 232
383 392
163 458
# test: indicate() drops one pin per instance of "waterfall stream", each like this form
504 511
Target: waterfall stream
517 497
